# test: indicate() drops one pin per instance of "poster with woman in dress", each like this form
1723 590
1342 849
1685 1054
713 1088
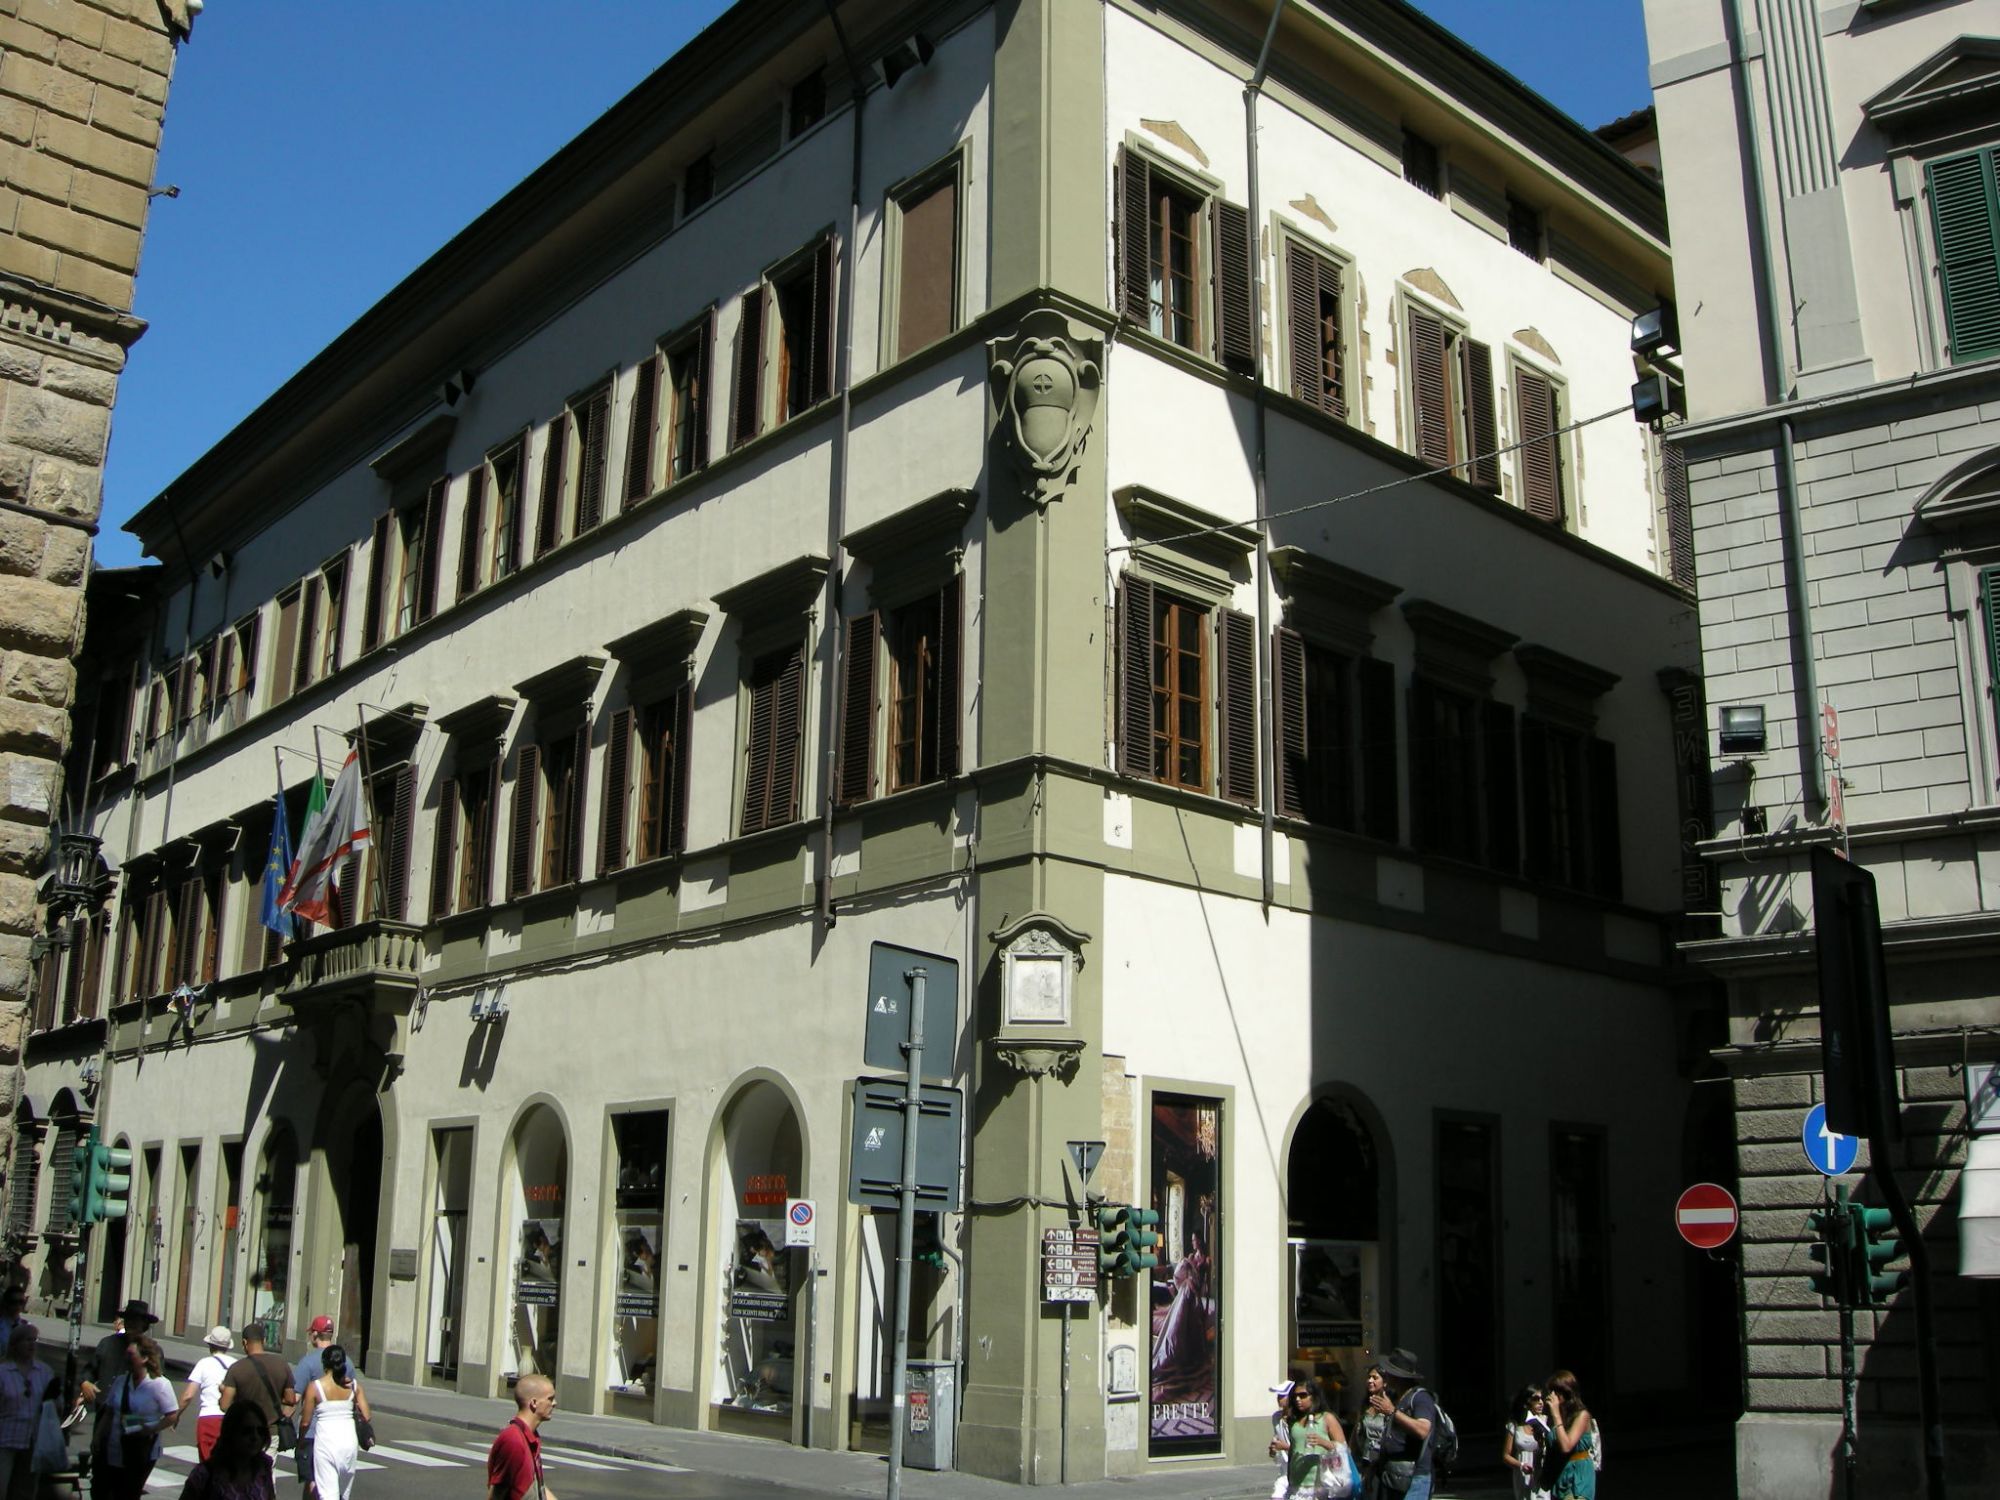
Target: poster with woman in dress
1187 1189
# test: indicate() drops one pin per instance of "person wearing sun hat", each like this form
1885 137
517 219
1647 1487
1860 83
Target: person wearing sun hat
1281 1437
203 1390
1412 1412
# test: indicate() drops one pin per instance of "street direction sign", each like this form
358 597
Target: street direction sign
875 1147
1069 1265
801 1226
1828 1150
889 1016
1706 1216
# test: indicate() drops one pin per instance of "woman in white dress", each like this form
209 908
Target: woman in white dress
1524 1448
331 1404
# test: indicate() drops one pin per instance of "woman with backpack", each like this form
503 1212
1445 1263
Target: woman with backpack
1575 1438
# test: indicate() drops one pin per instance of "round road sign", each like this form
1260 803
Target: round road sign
1828 1151
1706 1216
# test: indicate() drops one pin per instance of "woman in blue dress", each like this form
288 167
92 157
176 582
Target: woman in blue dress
1575 1439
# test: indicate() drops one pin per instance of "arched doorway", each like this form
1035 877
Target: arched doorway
351 1133
536 1234
274 1195
1337 1190
760 1161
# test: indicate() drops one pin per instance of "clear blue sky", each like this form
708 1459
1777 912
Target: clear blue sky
324 150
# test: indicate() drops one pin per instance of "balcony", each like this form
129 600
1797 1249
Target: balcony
374 962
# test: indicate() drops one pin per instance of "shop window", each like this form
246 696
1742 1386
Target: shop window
1449 384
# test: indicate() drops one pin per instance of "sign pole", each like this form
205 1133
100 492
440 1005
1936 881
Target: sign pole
906 1228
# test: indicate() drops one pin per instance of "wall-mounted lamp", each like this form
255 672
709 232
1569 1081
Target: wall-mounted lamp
906 57
1656 330
1742 728
488 1008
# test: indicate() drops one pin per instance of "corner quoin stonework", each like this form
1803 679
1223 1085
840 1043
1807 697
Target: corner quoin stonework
83 90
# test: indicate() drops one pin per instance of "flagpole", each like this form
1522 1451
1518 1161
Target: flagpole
374 854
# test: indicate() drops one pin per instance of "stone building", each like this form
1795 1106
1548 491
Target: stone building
83 88
935 482
1844 462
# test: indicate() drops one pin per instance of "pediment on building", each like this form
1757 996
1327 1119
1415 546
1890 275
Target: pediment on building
1959 82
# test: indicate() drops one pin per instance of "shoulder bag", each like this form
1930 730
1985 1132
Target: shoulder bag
288 1427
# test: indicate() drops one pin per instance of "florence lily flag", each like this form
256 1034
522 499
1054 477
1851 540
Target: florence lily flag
339 830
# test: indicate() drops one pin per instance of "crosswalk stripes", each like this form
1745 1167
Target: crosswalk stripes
176 1459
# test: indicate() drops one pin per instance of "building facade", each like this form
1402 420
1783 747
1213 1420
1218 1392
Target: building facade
839 501
1841 458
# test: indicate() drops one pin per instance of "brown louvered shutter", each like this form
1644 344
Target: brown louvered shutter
375 606
149 972
548 519
748 370
1135 216
1302 325
757 750
1482 430
517 540
950 653
1234 342
700 413
857 709
211 926
433 560
1503 816
1430 389
444 843
93 963
1607 863
521 842
1236 704
189 927
639 432
1288 708
1541 478
396 869
121 960
1135 676
592 420
1426 818
787 725
1381 766
1680 514
305 662
1333 339
617 792
472 537
677 790
579 778
819 347
476 883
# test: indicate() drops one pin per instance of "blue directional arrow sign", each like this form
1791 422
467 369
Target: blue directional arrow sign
1829 1152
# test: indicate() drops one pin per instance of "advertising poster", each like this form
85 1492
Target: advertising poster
538 1277
1186 1405
640 1202
759 1333
1328 1295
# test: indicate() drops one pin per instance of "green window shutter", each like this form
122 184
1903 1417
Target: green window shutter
1965 215
1989 591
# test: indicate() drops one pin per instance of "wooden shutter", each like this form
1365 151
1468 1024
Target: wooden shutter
517 539
748 370
1381 765
858 707
757 751
396 869
1236 705
698 407
1234 327
639 431
1430 389
375 606
211 926
150 971
1537 837
548 520
1502 776
1679 514
579 778
189 926
476 883
927 261
1482 431
617 791
1607 864
521 837
950 653
1965 217
1135 216
472 537
787 722
93 962
677 790
819 337
305 656
1302 331
1135 675
1989 593
592 421
433 560
1541 478
444 844
1288 709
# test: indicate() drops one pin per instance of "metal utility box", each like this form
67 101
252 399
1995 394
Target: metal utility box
932 1414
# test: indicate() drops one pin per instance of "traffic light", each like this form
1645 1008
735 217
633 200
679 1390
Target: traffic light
1111 1238
927 1240
99 1183
1876 1242
79 1183
1832 1252
1144 1239
1127 1239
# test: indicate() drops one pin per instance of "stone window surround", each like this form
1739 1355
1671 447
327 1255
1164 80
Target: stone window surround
1285 232
955 165
1207 187
1964 508
1569 453
773 610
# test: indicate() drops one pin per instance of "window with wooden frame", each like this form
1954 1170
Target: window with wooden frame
1338 763
646 781
1316 326
773 738
545 839
319 624
901 685
194 674
1569 791
549 498
160 704
111 741
285 644
590 419
642 427
1164 686
925 259
246 877
83 977
382 574
807 106
685 360
1463 794
475 543
1423 167
393 807
1448 378
802 349
420 536
1965 231
1988 626
1539 400
507 465
238 684
192 920
1184 261
746 370
462 842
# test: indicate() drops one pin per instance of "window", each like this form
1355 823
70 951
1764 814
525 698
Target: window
1965 219
393 805
462 840
640 429
1316 320
1164 687
1524 228
239 658
927 262
659 732
1463 800
808 103
591 417
1184 262
687 399
1989 596
545 848
1538 402
919 643
1336 721
803 300
159 705
747 370
507 465
1677 513
774 726
548 511
111 747
318 623
194 674
285 645
1450 383
1421 167
1569 792
194 919
473 542
698 184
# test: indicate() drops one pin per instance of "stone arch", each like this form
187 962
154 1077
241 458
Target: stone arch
532 1222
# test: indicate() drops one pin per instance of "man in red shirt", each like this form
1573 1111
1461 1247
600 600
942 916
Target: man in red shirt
514 1463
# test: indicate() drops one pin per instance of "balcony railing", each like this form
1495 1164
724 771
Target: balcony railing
372 960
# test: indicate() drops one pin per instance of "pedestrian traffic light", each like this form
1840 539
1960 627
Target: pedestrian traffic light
927 1240
1127 1239
1876 1240
1833 1252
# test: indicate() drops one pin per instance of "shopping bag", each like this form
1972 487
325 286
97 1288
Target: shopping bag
51 1447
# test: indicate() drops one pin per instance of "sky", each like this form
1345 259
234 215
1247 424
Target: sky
323 152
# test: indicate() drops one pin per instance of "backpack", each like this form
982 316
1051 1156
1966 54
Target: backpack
1443 1439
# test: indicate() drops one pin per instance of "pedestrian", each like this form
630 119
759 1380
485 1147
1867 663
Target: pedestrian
24 1383
332 1404
12 1300
1575 1439
311 1365
142 1406
261 1378
1281 1436
1524 1448
1412 1413
1374 1432
203 1390
514 1462
1319 1458
238 1465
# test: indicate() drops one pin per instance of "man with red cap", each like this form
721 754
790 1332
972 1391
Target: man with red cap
311 1365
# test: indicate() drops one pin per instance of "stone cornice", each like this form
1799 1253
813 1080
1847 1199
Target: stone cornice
81 326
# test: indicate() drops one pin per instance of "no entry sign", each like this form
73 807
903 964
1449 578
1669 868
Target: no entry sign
1706 1216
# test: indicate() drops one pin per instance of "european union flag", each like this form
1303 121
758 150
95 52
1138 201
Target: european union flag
278 865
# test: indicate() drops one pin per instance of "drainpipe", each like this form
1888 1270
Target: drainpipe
174 687
1778 388
1267 729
